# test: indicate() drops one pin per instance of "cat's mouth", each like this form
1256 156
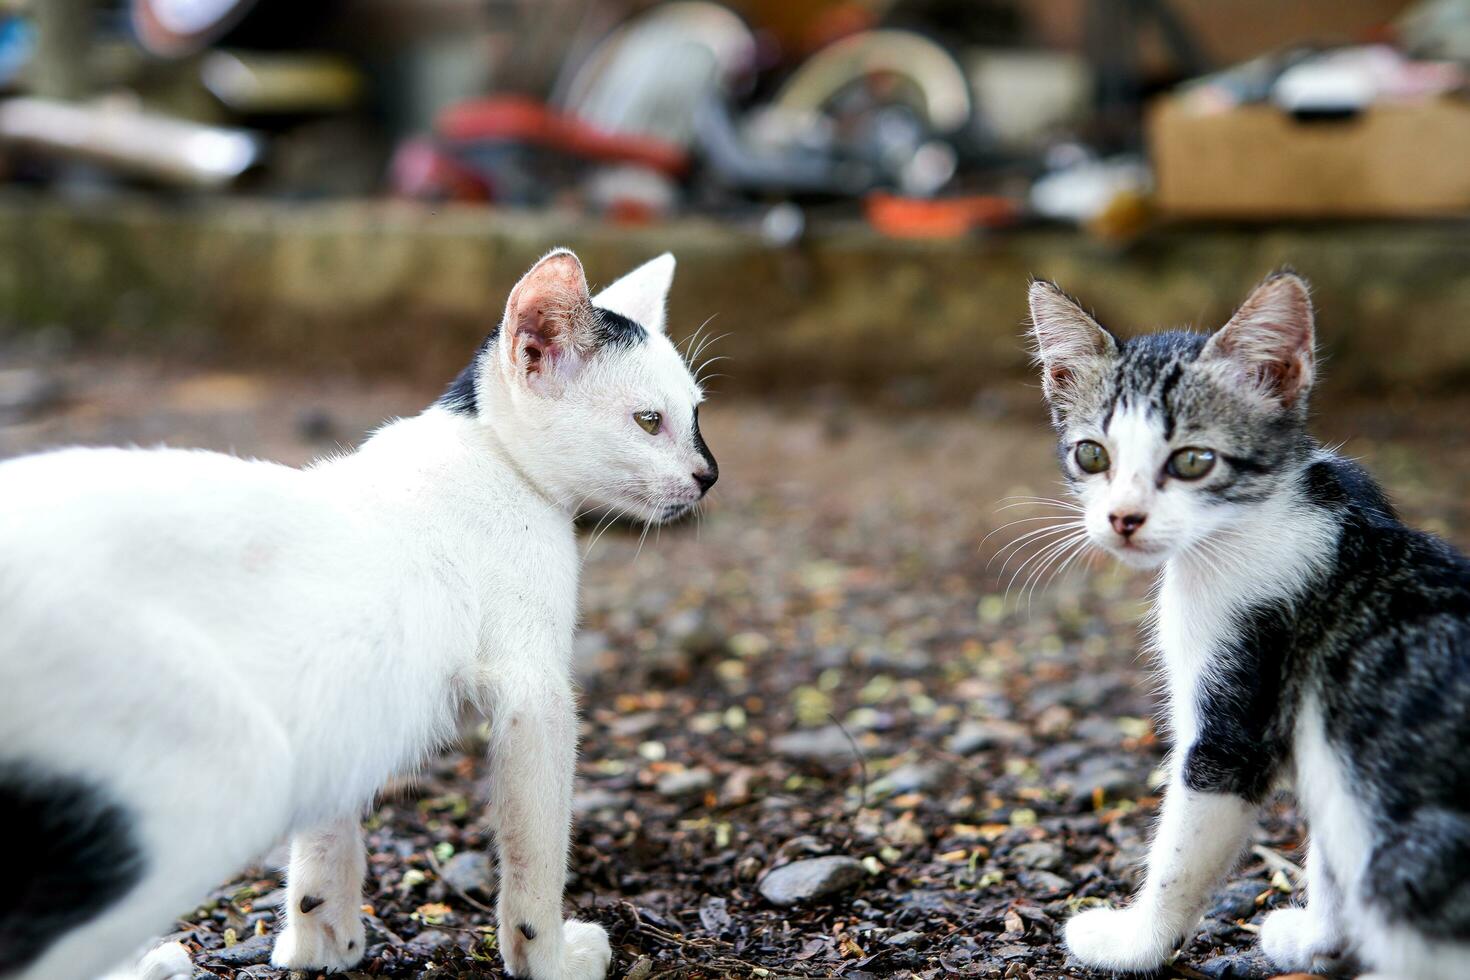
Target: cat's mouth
1130 551
672 512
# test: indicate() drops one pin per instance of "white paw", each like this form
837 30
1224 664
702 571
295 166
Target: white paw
1117 939
1292 939
170 961
585 954
588 952
320 941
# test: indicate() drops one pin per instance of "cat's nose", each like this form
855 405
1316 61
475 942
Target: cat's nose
705 479
1126 524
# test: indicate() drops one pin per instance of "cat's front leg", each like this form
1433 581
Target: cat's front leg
1298 938
533 750
1199 836
324 929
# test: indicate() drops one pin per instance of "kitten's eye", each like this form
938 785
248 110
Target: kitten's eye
651 422
1190 463
1092 457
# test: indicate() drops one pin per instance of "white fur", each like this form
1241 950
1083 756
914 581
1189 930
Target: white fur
236 650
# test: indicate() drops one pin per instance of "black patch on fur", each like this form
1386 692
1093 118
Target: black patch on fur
610 330
703 450
460 396
527 930
76 854
615 330
1244 733
310 903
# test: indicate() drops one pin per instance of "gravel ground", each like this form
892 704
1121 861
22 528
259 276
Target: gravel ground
820 738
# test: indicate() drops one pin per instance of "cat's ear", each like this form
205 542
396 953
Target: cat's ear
548 317
1070 344
643 294
1269 339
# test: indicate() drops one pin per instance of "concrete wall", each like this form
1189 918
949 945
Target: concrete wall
388 287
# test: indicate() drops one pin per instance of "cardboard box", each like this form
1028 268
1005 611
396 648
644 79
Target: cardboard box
1255 161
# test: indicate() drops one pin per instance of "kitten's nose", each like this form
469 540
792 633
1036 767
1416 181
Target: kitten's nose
1126 524
705 479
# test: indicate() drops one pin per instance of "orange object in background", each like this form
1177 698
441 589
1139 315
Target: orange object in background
950 217
517 119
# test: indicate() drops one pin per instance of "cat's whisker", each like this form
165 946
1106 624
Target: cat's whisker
1025 501
1043 554
1012 547
1053 564
706 344
1085 548
1022 520
1056 552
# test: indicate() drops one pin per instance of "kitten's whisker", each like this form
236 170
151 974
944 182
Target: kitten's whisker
1084 549
1014 545
1023 501
1028 588
1022 520
1043 554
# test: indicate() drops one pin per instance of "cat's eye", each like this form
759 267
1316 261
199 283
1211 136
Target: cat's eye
1190 463
651 422
1092 457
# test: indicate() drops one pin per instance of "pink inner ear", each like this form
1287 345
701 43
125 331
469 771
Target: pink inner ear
543 308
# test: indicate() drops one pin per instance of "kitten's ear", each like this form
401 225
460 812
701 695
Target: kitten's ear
1069 343
1269 339
547 317
642 295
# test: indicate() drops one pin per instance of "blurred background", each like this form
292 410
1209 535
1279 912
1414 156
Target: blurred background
857 191
262 226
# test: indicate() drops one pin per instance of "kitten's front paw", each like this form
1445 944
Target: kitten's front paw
1293 939
588 951
585 954
319 941
1117 939
166 961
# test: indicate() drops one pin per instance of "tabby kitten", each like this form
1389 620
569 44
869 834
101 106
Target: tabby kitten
1309 639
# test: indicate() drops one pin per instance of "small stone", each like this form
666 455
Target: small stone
247 952
595 800
686 782
977 736
1041 855
1054 721
714 915
1118 777
824 744
904 939
1238 901
429 941
469 872
913 777
1237 966
805 881
1043 883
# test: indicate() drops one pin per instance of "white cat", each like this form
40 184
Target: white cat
201 654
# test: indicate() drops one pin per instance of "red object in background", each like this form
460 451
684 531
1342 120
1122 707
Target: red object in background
951 217
422 170
520 120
